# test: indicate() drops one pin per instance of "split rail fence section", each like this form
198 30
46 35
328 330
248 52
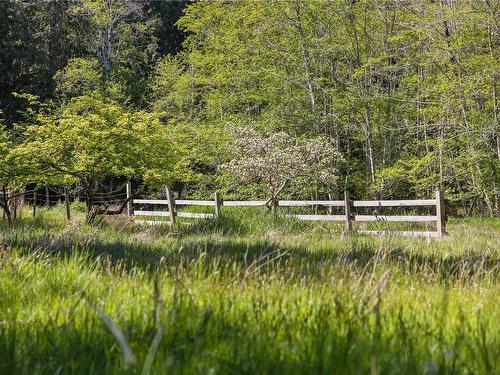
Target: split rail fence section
349 207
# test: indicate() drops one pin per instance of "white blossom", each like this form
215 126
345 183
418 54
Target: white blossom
279 158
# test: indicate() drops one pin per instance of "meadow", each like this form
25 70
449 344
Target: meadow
250 292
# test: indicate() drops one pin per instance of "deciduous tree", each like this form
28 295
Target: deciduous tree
278 160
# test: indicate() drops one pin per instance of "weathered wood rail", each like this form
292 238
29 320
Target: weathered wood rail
172 213
348 217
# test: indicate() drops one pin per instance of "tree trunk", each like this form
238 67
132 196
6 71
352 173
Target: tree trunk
369 147
54 39
89 196
5 206
8 214
496 124
107 51
305 57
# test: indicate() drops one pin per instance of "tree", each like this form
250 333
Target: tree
278 160
8 174
120 34
114 29
36 40
91 137
398 86
16 170
169 37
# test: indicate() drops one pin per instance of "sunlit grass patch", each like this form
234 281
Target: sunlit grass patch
248 292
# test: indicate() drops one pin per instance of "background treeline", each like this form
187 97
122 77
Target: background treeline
406 91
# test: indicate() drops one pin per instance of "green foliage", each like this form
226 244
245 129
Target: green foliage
78 77
406 91
17 167
91 137
167 94
409 89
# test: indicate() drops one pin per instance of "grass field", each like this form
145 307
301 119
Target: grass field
247 293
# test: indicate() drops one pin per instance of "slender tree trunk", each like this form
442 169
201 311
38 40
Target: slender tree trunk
107 51
496 124
470 147
366 106
369 147
8 214
305 57
54 38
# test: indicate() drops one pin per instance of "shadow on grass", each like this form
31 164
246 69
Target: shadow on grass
229 251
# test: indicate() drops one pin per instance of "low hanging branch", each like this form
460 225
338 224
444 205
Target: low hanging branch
107 210
114 192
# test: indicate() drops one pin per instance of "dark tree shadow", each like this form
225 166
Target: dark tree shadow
232 252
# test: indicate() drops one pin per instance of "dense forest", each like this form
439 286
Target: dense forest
383 98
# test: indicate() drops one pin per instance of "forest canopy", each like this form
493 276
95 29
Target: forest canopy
401 96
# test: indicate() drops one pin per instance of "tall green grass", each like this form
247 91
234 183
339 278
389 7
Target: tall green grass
247 293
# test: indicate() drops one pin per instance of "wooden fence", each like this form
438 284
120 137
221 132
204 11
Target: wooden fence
172 212
348 217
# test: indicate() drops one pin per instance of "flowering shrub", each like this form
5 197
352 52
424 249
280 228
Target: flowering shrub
279 159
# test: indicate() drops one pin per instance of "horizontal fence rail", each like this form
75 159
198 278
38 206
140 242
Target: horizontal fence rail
194 202
195 215
244 203
410 219
319 217
172 212
347 218
403 233
311 203
151 201
400 203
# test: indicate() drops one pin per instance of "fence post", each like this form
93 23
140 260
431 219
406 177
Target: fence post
18 203
171 205
218 204
22 200
47 195
348 217
130 203
34 203
440 214
66 202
